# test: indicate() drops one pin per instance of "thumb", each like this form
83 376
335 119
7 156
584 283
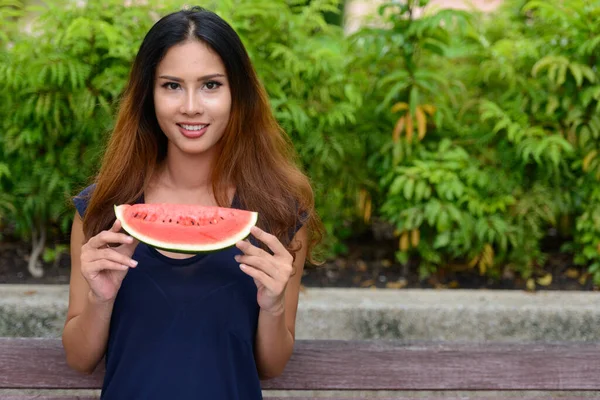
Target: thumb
116 227
126 248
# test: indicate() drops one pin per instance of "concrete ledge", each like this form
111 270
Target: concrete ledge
411 315
449 315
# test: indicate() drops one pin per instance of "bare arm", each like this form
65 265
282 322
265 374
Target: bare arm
276 330
85 333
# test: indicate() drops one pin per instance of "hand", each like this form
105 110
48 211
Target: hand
105 267
271 273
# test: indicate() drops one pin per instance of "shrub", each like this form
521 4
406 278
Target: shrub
61 83
490 133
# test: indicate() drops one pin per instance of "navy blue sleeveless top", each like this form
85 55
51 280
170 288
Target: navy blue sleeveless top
182 329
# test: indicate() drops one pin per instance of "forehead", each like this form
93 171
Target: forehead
191 57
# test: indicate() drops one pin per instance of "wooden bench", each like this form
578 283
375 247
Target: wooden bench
35 363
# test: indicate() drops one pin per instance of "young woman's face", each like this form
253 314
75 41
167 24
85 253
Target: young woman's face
192 99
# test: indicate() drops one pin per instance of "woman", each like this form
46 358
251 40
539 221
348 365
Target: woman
194 127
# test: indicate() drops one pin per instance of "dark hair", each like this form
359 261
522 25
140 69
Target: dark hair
200 24
260 160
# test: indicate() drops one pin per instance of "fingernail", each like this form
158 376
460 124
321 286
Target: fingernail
237 258
134 263
129 239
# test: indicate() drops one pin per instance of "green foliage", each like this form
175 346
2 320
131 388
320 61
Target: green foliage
509 148
53 254
473 134
59 86
10 13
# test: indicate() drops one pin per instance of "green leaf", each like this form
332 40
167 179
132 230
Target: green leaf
441 240
414 99
409 189
577 73
420 190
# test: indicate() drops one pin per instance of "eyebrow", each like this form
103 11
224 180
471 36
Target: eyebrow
202 78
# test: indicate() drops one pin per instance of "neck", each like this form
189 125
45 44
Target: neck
185 172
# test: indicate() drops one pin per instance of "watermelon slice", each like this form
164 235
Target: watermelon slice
185 228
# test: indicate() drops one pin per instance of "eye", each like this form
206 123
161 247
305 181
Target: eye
212 85
171 85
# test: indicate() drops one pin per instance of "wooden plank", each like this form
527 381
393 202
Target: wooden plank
71 397
358 365
46 397
39 363
445 397
462 396
391 365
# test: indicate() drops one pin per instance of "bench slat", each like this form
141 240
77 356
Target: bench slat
46 397
39 363
374 365
462 397
358 365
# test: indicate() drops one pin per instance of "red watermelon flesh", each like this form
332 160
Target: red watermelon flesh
186 228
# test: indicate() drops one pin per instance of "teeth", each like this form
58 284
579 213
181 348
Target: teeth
193 127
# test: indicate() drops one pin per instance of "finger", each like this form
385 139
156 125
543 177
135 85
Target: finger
101 265
106 237
257 262
115 256
270 240
250 249
116 227
129 247
258 275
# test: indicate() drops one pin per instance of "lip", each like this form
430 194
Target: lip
192 134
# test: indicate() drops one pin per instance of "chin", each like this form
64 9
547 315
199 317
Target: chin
195 149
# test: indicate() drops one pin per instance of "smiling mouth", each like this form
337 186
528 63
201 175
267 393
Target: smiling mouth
198 127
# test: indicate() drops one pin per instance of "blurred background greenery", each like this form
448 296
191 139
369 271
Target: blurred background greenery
467 137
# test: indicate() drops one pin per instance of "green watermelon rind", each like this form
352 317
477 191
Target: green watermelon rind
229 242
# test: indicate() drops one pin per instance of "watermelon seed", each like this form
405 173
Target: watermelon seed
222 217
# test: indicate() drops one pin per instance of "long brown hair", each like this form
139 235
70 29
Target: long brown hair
258 158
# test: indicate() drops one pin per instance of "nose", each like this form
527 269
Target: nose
192 104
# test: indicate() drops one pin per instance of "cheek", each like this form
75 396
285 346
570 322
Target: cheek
164 105
220 107
158 106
